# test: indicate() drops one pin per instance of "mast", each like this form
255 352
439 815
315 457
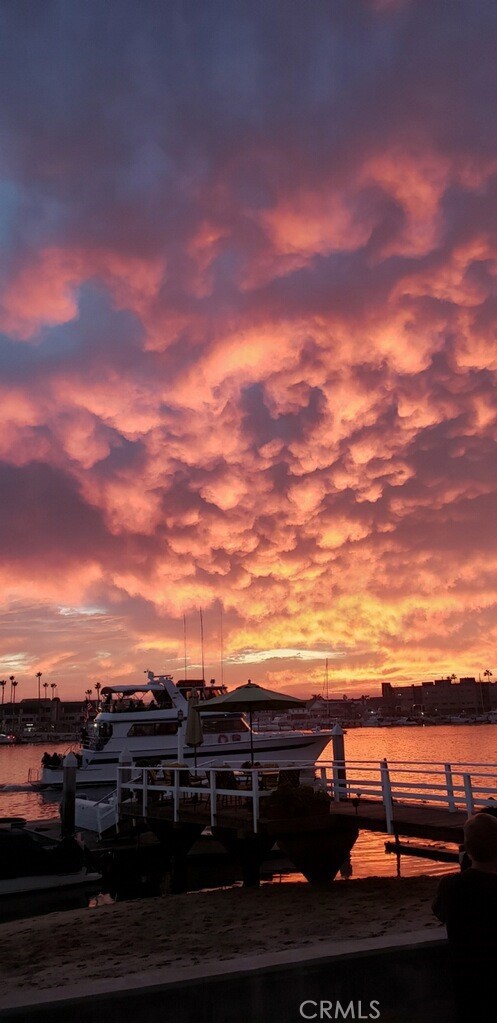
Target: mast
184 641
202 643
222 649
327 692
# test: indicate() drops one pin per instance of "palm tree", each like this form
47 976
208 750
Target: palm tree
38 676
97 687
88 695
3 683
45 687
13 682
53 687
488 672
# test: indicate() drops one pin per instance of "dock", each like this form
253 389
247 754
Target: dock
415 800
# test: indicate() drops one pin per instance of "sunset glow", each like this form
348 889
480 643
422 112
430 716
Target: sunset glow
248 341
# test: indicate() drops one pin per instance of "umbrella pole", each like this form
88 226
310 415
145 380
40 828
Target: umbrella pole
251 739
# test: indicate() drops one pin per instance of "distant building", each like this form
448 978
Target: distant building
32 717
440 697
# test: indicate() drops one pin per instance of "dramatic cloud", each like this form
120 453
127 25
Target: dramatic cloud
248 349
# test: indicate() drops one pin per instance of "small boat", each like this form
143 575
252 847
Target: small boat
143 722
38 873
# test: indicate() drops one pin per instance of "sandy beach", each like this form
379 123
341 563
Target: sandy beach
172 932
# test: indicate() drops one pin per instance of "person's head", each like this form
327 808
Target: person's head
480 840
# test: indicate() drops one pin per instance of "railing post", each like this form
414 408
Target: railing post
339 773
68 805
144 791
450 787
176 795
324 780
212 781
386 790
468 793
123 776
255 799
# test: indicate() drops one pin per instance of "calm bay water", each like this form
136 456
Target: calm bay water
468 743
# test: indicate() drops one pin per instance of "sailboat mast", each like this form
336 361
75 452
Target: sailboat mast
327 691
222 649
202 643
184 641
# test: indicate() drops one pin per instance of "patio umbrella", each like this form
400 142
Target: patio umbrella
252 697
194 735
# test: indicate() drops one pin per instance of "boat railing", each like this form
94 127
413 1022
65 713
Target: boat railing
455 786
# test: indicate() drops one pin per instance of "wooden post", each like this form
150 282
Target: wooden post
213 795
386 790
339 773
176 794
255 799
68 805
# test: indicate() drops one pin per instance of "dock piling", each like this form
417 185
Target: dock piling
386 790
68 805
339 773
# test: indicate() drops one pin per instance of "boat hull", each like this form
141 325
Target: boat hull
276 748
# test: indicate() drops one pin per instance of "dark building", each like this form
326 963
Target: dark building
48 718
440 697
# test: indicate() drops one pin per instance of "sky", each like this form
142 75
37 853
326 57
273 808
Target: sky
247 341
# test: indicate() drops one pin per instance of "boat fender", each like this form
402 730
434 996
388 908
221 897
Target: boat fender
222 738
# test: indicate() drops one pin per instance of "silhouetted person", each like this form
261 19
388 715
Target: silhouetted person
467 904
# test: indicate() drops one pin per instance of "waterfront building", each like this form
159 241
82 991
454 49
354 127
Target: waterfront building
440 698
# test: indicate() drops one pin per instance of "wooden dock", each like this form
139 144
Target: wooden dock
411 820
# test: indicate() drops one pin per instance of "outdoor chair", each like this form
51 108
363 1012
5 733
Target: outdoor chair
289 777
227 780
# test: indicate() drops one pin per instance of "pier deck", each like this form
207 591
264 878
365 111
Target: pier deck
412 820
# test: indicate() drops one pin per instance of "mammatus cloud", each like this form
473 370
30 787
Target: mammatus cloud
247 360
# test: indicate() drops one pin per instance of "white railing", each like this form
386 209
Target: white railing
456 786
204 788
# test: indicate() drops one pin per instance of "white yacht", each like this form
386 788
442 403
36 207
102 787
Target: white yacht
143 721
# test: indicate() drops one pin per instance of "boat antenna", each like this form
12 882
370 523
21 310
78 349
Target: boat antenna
222 649
184 640
327 692
202 643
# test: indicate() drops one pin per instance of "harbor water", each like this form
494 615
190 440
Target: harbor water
444 743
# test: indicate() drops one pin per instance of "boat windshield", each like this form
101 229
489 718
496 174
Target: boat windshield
200 691
135 702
